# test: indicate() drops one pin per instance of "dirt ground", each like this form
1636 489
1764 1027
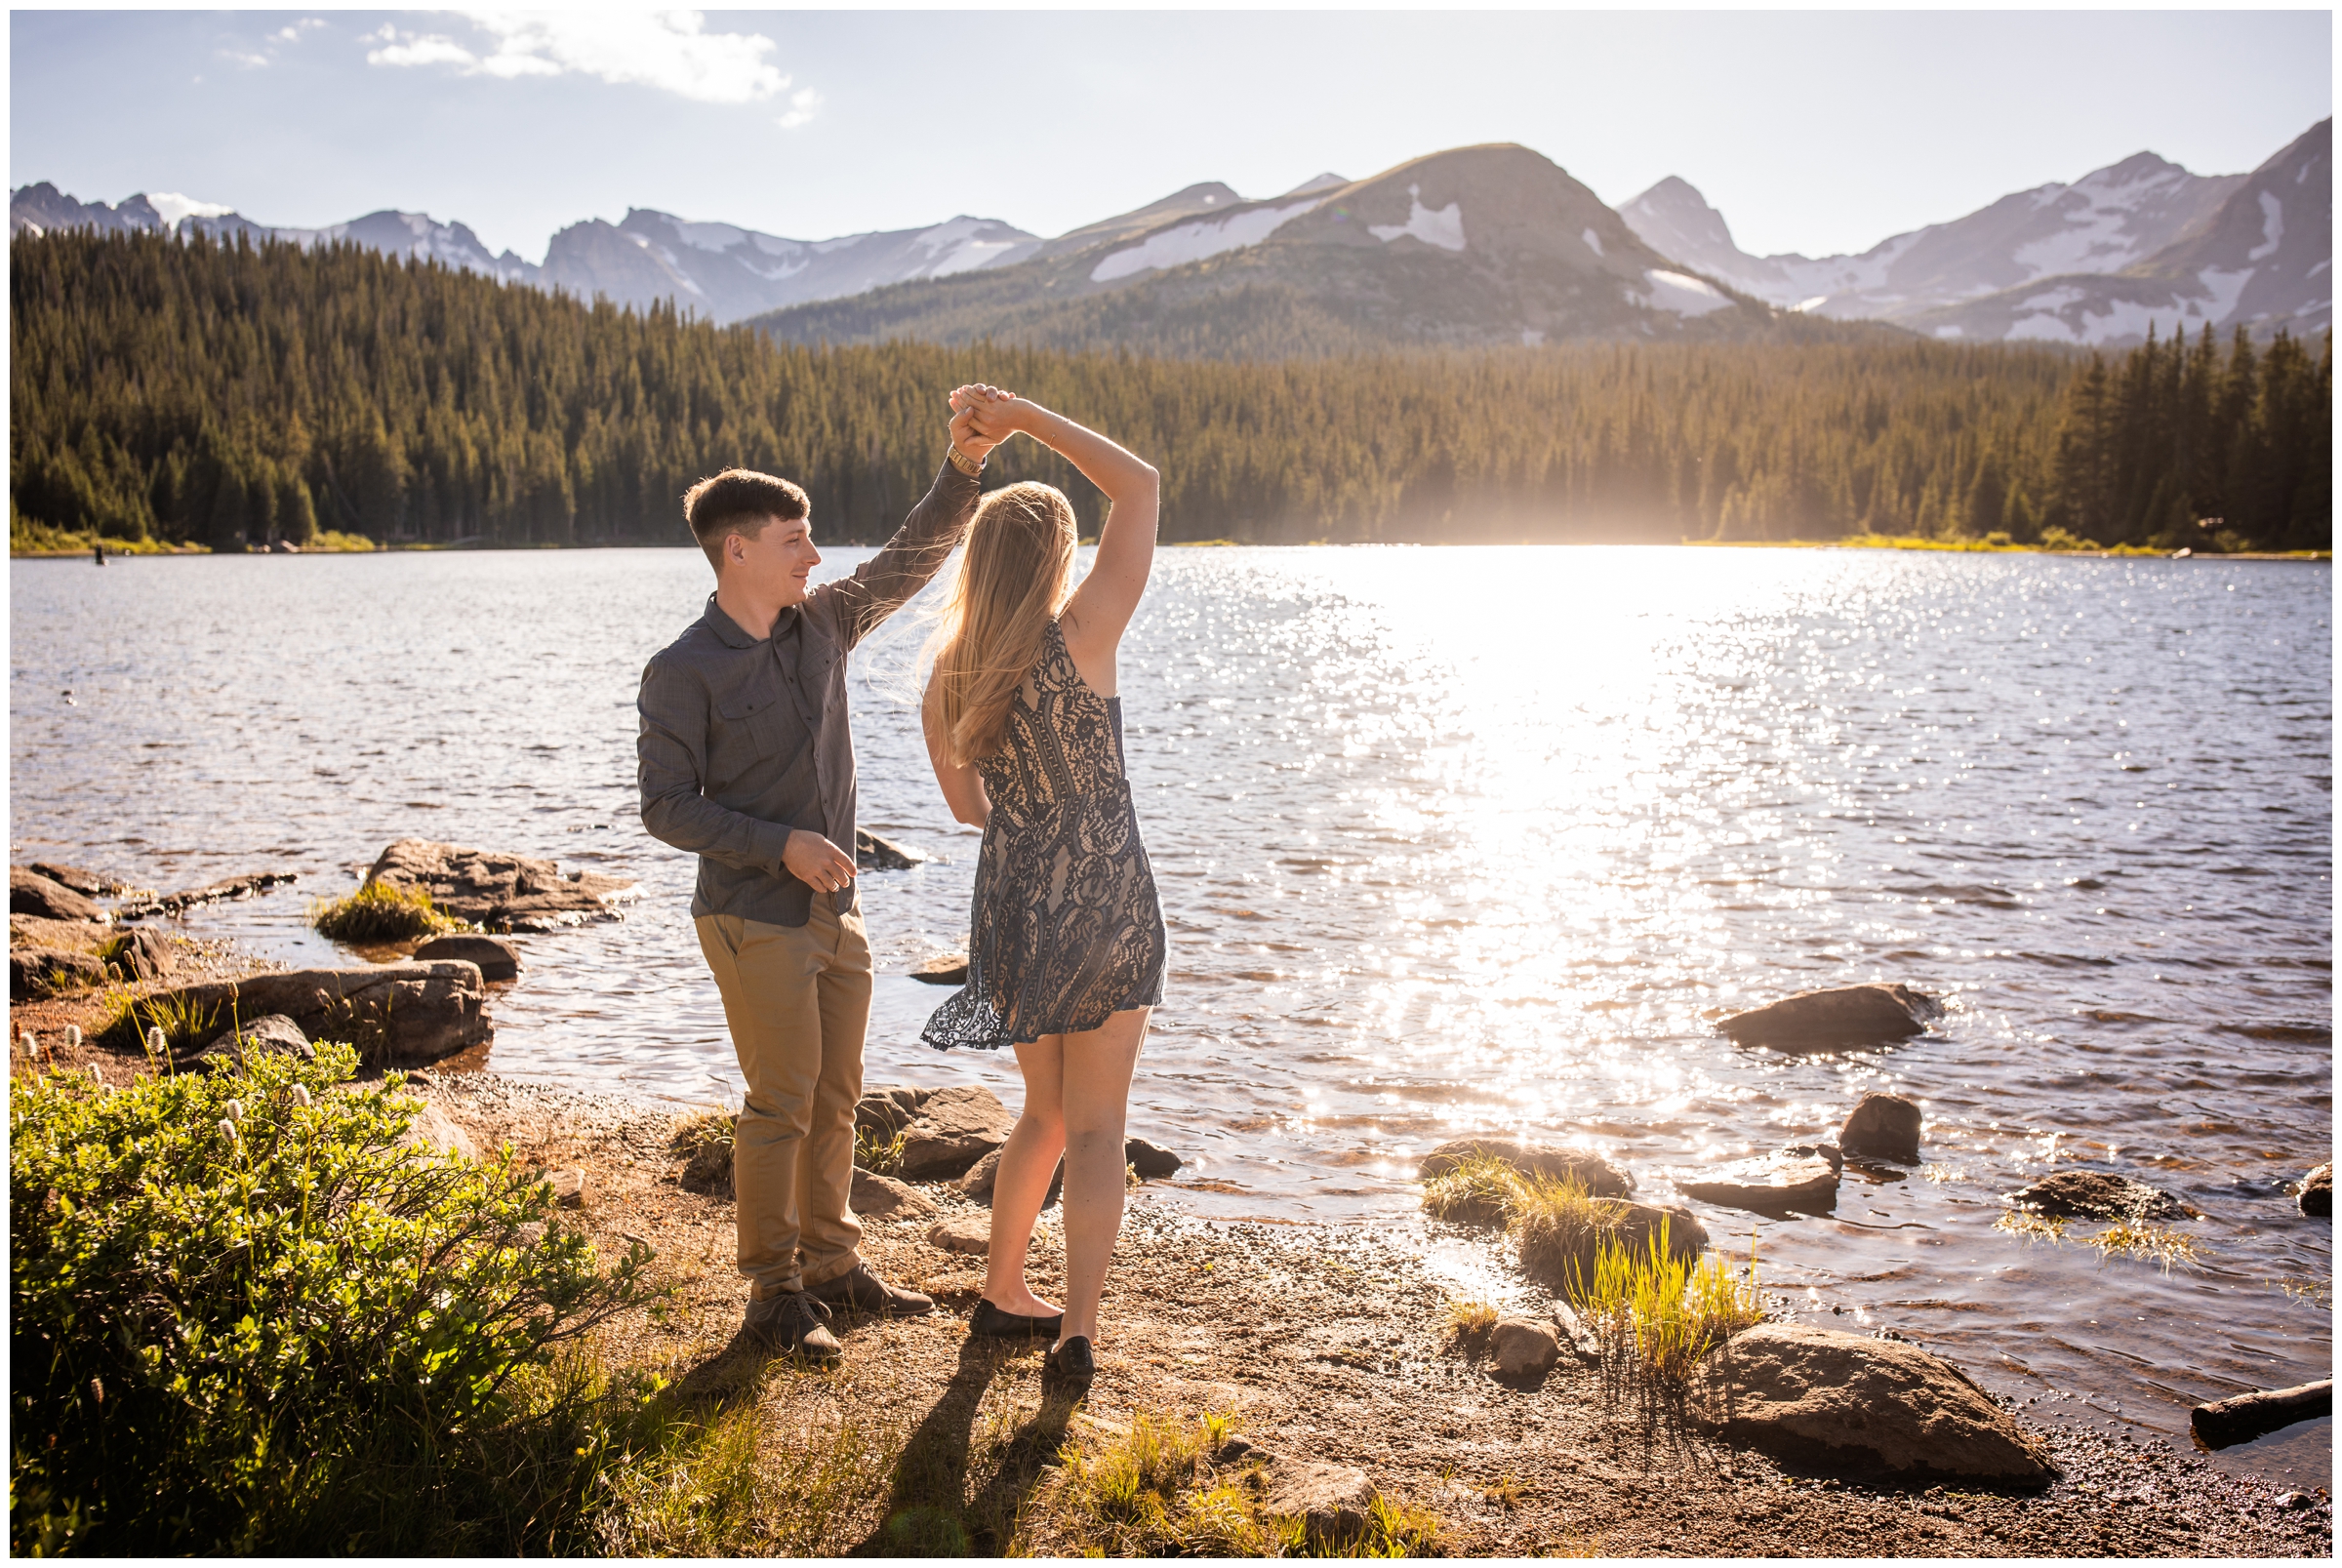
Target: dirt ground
1325 1342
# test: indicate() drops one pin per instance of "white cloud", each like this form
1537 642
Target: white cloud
292 34
243 57
804 105
668 50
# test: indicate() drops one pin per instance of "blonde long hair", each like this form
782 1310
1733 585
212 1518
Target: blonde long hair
1016 576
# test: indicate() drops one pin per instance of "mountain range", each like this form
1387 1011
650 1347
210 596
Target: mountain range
1473 246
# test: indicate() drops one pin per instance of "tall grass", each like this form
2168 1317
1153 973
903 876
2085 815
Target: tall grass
380 911
1478 1189
1657 1316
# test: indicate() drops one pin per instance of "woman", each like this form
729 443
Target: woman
1067 945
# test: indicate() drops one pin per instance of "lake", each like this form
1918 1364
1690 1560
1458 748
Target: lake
1448 841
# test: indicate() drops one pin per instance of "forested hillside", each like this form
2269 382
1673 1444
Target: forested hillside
228 394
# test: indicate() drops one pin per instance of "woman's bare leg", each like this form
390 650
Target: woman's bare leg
1028 1160
1098 1064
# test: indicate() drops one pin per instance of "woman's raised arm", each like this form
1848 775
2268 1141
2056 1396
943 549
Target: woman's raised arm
1101 609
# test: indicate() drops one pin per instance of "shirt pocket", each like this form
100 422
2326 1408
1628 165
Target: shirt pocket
748 724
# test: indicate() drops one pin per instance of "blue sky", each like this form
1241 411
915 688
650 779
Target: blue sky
1811 130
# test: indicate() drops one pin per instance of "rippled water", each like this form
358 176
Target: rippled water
1449 840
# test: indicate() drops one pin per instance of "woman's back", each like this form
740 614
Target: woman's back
1062 741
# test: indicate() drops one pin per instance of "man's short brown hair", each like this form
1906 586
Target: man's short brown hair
738 501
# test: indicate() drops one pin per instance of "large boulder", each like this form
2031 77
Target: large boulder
36 973
1559 1242
2098 1195
1151 1161
271 1033
1817 1397
498 958
1802 1178
2317 1190
90 884
954 1129
498 891
876 854
1591 1171
1882 1124
882 1197
397 1015
228 890
31 893
1838 1016
985 1175
884 1113
944 969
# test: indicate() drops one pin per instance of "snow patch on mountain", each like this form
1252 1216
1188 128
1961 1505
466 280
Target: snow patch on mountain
1444 228
1194 242
173 208
1682 294
1594 241
2273 227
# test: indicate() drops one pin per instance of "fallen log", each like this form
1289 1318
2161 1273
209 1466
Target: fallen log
2226 1423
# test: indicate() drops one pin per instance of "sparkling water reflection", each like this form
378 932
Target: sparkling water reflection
1449 840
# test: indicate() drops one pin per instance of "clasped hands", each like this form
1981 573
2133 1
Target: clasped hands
982 417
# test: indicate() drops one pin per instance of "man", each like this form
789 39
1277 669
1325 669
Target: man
745 759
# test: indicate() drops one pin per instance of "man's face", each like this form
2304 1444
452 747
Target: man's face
775 564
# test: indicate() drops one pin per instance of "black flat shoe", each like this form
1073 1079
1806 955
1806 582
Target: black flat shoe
1072 1361
990 1320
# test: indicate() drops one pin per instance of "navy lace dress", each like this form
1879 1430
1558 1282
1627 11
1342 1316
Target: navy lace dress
1067 928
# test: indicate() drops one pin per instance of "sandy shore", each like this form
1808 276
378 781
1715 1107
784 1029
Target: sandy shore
1327 1344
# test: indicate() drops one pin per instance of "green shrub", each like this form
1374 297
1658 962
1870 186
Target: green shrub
245 1319
380 911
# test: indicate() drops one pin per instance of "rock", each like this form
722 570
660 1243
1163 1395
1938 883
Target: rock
434 1128
1789 1179
978 1183
944 969
141 954
879 1112
954 1129
1882 1124
34 973
397 1015
1577 1333
498 958
497 891
31 893
1597 1174
1873 1407
2098 1195
2317 1191
569 1188
883 854
1523 1348
232 888
1149 1160
1557 1251
58 936
270 1032
1841 1015
1331 1499
882 1197
963 1230
1820 1152
89 884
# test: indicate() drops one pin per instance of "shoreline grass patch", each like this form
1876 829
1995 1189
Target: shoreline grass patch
380 911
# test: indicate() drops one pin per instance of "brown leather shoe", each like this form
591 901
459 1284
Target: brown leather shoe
859 1287
793 1321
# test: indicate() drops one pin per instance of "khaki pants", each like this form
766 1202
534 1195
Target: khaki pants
798 1000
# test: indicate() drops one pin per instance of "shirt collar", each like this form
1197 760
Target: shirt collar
728 631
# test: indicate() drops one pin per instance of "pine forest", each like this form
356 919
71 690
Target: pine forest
229 396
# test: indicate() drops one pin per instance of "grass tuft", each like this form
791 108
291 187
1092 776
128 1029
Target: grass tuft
881 1156
2032 1226
1154 1491
2137 1239
1467 1325
380 911
1657 1316
1478 1189
705 1138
